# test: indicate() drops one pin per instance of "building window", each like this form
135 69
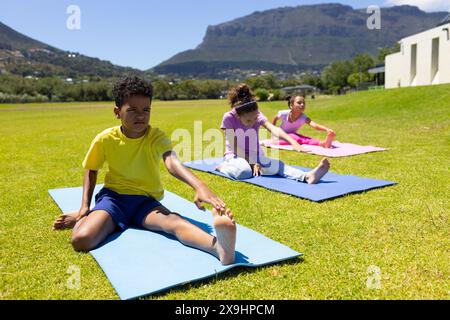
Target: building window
435 60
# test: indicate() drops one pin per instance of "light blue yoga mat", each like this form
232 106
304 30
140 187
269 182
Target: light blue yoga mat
331 186
140 262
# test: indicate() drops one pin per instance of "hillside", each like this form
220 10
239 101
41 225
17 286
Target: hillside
297 38
25 56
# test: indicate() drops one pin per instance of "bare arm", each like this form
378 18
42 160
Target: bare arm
202 192
89 182
274 121
278 132
319 127
231 137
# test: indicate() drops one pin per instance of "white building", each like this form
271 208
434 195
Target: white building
424 59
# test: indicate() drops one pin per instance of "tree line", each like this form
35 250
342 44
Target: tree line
338 76
17 89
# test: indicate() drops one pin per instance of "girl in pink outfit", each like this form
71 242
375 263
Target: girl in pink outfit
243 157
294 118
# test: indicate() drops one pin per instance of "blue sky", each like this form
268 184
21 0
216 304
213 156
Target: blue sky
143 33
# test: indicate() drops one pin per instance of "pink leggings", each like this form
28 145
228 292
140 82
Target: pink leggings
300 140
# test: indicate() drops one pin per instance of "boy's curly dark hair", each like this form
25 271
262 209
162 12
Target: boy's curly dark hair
131 86
241 95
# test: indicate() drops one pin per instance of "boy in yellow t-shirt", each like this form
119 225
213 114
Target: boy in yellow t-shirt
133 188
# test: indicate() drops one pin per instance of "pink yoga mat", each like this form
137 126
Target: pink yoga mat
338 149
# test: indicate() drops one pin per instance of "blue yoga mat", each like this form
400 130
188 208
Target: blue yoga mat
140 262
331 186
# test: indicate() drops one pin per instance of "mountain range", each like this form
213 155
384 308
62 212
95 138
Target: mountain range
286 39
297 38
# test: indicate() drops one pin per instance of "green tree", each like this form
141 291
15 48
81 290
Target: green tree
49 86
355 79
271 81
163 90
187 90
211 89
262 94
312 80
363 62
267 81
383 52
278 94
335 76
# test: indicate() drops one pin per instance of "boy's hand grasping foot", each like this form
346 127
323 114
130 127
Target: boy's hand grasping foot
204 195
225 226
314 176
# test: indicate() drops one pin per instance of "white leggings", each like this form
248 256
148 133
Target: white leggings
239 169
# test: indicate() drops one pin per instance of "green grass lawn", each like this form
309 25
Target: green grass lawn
404 230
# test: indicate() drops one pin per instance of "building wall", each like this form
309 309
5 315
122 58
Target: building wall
400 66
394 71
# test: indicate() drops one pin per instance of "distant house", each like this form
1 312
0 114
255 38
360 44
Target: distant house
424 59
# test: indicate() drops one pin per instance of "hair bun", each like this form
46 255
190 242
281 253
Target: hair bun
240 94
243 92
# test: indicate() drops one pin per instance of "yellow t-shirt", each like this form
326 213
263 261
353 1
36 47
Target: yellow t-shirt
133 164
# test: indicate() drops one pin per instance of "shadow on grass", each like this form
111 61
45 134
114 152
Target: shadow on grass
221 276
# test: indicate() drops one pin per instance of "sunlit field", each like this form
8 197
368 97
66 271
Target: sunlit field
401 231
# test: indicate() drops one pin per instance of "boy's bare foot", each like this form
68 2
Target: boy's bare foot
66 221
314 176
226 235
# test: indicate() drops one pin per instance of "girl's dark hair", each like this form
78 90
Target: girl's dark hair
131 86
291 100
242 99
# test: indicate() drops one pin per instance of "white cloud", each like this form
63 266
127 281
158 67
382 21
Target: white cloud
426 5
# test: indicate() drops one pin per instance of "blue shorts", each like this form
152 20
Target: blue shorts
125 210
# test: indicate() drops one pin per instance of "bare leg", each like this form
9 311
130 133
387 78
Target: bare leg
91 230
314 176
328 141
222 246
65 221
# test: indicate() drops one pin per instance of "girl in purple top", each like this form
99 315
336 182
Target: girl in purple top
294 118
243 157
